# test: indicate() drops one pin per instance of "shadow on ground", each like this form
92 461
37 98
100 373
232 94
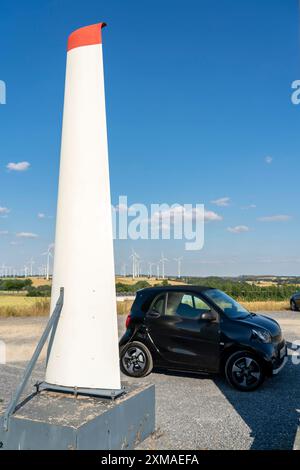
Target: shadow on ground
271 413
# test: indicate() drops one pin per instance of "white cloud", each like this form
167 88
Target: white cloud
26 235
41 215
20 166
221 202
4 210
238 229
187 214
250 206
275 218
211 216
170 213
269 160
3 232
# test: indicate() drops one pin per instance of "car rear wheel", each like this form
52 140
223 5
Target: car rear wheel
294 306
244 371
136 360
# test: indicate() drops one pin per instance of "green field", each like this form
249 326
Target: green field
19 306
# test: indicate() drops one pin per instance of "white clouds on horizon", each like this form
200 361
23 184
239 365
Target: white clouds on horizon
250 206
26 235
221 202
275 218
20 166
238 229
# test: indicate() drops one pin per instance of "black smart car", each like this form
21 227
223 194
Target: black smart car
192 328
295 302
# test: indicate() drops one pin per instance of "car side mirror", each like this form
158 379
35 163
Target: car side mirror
208 316
153 313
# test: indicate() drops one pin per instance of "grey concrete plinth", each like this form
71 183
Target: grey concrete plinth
51 420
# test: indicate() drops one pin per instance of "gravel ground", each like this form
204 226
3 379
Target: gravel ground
192 412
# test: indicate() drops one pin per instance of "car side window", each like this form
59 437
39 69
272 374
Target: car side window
187 299
201 306
181 304
173 301
159 304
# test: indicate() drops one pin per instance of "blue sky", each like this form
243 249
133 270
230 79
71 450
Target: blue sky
198 97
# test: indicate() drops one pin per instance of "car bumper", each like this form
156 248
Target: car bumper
274 356
281 359
276 371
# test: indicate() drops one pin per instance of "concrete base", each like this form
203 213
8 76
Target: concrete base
51 420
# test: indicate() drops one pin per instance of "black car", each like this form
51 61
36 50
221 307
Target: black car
192 328
295 302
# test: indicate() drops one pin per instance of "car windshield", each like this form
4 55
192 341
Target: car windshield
227 304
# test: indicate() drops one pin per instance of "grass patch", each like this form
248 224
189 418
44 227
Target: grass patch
123 308
266 306
21 306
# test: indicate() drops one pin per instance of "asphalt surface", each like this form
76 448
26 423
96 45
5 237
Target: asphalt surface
202 412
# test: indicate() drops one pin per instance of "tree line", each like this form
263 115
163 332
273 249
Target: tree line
25 285
240 290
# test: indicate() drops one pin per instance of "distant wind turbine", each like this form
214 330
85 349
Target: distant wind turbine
31 266
133 256
150 264
157 270
178 266
163 261
48 254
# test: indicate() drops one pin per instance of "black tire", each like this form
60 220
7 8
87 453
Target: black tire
294 306
244 371
136 360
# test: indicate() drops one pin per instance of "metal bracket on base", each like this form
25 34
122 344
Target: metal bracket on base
30 366
97 392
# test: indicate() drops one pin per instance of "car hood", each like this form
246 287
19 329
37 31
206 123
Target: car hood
262 321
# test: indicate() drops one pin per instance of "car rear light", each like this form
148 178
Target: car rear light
128 320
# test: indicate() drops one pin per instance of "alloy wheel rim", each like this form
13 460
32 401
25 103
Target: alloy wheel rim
246 372
134 360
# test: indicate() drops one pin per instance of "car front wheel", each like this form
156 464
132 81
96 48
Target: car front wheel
136 360
244 371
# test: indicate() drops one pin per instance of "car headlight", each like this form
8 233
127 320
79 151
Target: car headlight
262 335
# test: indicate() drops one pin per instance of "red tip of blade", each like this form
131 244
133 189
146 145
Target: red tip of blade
86 36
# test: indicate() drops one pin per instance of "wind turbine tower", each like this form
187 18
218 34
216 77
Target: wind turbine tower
163 260
178 266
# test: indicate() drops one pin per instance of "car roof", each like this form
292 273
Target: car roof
181 288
